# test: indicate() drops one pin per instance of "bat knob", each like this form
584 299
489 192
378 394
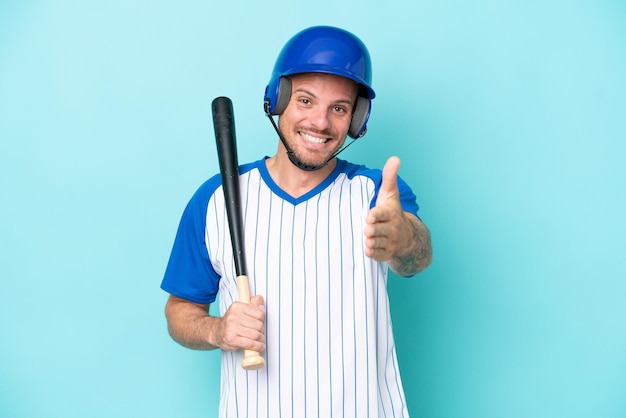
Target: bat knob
252 360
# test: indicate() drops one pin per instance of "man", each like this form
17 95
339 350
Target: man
320 234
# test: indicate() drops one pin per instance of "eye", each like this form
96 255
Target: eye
305 101
340 109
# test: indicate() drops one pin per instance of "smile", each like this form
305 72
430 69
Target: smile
311 138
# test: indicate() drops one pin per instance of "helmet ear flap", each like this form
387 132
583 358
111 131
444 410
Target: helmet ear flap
360 115
283 94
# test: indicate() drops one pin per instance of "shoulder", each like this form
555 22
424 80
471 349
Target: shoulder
205 192
352 170
375 175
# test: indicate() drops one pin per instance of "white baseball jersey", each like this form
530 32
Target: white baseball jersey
330 350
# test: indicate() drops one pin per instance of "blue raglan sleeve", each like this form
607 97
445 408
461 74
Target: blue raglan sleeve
189 273
408 200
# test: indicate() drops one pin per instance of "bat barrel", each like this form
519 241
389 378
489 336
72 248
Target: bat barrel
226 141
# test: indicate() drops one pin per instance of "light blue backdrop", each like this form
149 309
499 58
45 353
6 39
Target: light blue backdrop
509 118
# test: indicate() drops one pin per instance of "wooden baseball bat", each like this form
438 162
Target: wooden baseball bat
224 124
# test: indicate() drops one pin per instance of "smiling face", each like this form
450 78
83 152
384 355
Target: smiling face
316 121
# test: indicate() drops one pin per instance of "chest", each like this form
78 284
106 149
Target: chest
320 238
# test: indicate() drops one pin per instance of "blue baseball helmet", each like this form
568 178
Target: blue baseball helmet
323 49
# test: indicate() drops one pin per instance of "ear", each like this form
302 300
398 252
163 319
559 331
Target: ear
360 115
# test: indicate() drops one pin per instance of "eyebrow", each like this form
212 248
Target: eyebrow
340 101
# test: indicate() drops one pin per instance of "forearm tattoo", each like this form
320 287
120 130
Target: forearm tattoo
420 254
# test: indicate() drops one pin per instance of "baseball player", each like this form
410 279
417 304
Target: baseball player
320 236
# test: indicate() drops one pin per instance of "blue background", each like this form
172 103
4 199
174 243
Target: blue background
509 117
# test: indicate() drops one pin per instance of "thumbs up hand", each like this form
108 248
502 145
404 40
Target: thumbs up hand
388 231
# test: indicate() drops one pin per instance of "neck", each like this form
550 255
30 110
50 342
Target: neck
293 180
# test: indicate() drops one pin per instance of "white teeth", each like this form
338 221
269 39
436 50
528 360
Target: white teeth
311 138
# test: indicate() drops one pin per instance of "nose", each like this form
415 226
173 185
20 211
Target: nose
319 118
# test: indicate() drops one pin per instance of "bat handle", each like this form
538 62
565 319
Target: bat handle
252 360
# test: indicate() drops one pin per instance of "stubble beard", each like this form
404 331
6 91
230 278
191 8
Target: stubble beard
308 157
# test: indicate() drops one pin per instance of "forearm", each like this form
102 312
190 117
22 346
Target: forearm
418 254
190 325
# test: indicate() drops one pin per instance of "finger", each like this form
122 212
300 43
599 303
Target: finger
375 226
241 329
252 331
243 338
252 316
245 315
389 186
257 300
377 252
375 217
